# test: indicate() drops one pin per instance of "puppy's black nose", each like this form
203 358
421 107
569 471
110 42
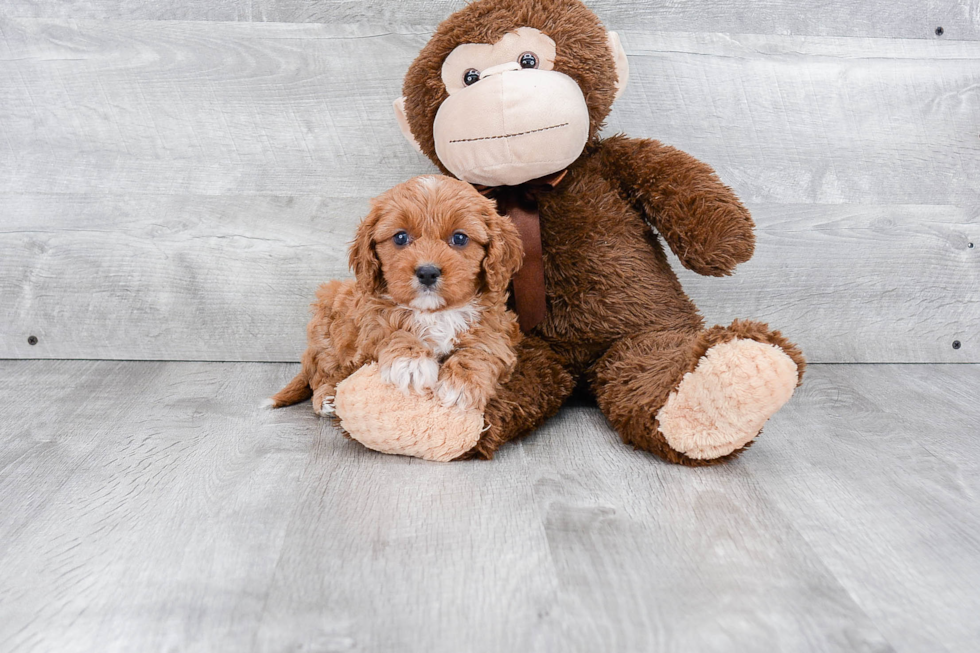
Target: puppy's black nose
428 274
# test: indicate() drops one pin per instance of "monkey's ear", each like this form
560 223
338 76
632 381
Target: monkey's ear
622 65
402 118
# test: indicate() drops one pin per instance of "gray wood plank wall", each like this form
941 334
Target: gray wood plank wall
176 189
901 18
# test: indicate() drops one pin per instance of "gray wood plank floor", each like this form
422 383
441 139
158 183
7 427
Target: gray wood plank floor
154 506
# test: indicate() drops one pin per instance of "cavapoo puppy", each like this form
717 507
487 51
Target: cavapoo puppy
432 262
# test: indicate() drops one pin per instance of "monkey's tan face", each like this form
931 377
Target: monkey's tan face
510 117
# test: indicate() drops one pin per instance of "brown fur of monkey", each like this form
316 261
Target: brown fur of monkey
617 315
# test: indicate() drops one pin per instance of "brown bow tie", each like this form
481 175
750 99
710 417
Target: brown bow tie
520 204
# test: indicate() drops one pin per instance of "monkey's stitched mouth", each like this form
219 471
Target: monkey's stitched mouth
490 138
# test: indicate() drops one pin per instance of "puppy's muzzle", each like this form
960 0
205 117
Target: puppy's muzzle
428 275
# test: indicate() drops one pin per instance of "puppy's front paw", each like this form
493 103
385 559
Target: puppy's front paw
453 396
411 373
322 402
326 407
462 397
461 387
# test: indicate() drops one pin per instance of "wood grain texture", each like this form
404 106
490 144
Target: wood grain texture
814 120
143 504
200 108
874 468
653 557
176 190
292 109
167 277
398 554
858 283
154 506
230 278
879 471
904 19
960 19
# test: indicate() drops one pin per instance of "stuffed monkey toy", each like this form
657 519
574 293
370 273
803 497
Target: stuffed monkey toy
510 96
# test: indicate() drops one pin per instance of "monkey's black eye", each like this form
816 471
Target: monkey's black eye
528 60
471 76
460 239
400 239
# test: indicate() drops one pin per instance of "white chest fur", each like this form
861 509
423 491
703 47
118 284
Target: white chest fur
439 329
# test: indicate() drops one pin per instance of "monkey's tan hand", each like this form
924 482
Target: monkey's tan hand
412 425
465 382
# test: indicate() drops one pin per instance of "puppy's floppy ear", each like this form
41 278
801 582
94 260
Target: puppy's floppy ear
505 254
362 257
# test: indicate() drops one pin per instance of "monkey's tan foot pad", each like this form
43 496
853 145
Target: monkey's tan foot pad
721 405
383 418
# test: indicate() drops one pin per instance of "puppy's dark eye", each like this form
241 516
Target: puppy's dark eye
471 76
459 239
400 239
528 60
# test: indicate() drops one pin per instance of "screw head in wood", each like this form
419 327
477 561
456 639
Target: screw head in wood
939 31
32 340
956 344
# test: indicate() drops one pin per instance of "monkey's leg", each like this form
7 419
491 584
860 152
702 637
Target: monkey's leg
535 391
696 398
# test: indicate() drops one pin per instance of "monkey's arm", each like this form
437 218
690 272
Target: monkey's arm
701 219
